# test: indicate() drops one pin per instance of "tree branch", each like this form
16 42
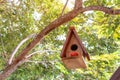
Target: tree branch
103 9
78 4
56 23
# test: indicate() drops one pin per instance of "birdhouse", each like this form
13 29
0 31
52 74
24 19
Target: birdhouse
74 52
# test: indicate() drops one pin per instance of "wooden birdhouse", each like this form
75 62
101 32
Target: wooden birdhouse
74 52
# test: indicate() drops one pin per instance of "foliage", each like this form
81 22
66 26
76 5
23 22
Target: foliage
20 20
99 32
50 68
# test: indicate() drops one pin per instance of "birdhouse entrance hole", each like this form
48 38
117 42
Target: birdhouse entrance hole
74 47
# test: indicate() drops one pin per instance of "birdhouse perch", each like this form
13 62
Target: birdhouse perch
74 52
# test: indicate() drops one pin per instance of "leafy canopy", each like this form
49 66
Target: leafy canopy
99 32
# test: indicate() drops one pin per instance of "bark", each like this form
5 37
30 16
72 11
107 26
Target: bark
56 23
78 4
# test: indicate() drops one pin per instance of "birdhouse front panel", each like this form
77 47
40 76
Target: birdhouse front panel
74 62
73 48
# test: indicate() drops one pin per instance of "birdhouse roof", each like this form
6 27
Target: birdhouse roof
71 32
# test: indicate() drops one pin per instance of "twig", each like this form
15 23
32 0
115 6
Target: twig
33 61
28 56
64 7
20 44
